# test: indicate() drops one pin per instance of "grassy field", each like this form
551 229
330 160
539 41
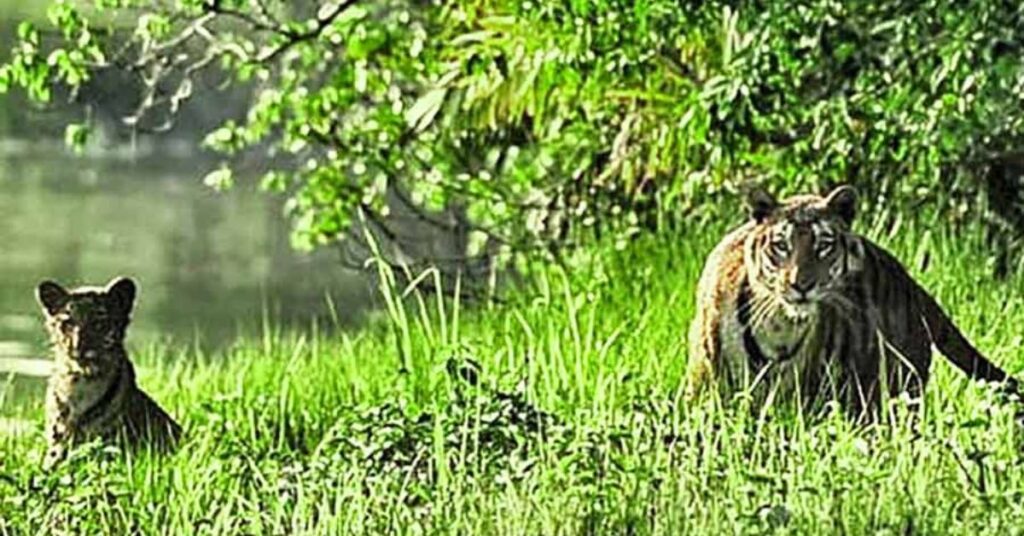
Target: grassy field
559 413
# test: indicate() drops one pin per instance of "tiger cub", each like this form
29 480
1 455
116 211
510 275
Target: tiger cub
92 391
793 305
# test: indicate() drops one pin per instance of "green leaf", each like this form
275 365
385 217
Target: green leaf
422 112
27 31
220 179
76 136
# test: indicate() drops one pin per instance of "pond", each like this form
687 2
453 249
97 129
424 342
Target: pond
211 266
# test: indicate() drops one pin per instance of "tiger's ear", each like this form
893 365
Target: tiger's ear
843 203
122 291
51 296
760 203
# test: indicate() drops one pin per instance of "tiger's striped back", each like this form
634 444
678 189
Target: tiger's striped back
884 328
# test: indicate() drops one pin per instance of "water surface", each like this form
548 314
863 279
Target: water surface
210 266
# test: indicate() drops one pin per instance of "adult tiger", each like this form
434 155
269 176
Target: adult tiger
793 304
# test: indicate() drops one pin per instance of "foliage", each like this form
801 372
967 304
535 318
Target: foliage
556 415
545 121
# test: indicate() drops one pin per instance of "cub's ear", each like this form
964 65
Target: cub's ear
122 291
760 203
842 202
51 296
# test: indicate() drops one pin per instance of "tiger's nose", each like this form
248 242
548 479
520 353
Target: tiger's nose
802 287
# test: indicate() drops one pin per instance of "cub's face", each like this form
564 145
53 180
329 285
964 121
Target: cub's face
86 323
801 249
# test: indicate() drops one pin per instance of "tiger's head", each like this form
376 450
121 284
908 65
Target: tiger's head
87 324
801 248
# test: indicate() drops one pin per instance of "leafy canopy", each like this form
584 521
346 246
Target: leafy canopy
547 121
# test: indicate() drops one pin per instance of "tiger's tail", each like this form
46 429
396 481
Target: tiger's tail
952 343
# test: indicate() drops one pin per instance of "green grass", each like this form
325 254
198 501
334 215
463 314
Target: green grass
559 413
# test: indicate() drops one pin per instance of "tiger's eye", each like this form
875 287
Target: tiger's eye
824 248
780 245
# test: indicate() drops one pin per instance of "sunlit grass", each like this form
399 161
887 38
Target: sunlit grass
575 425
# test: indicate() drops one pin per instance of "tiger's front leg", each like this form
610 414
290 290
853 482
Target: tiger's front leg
57 437
56 449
